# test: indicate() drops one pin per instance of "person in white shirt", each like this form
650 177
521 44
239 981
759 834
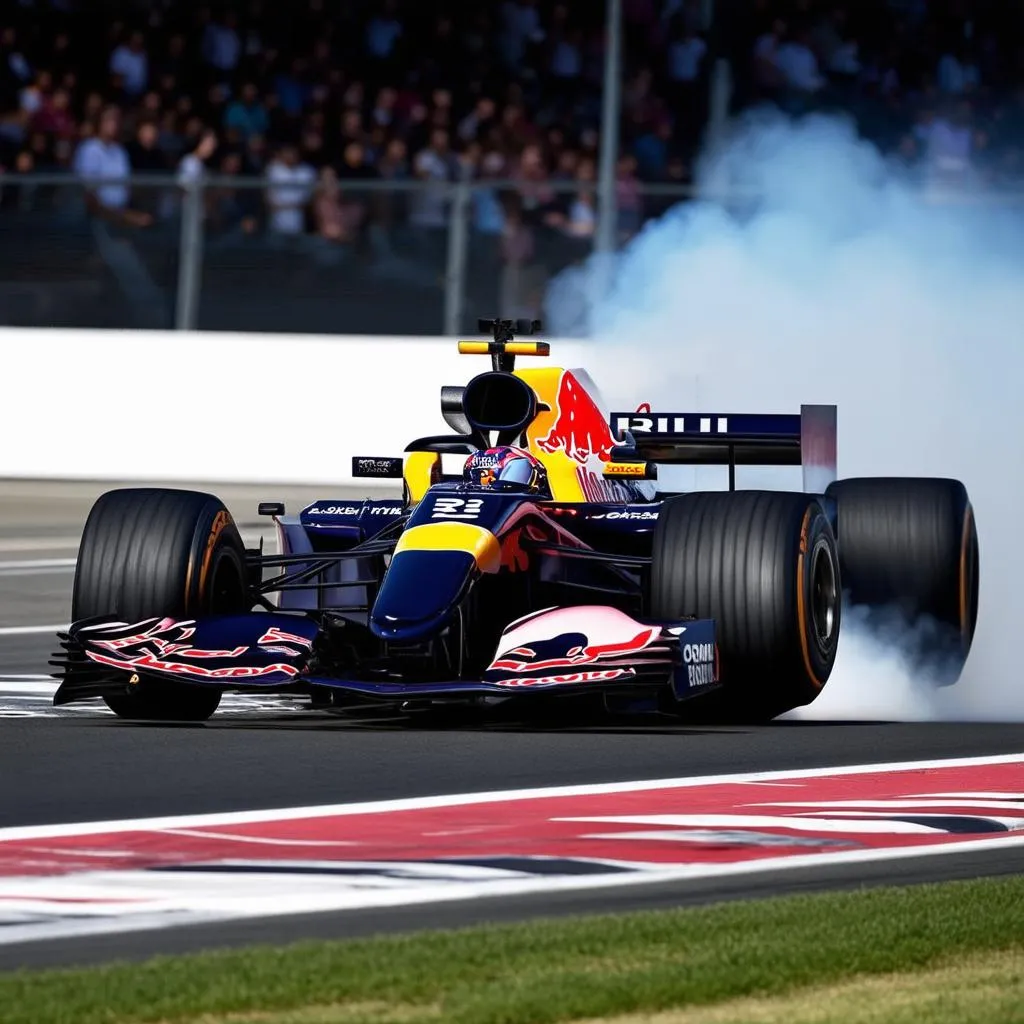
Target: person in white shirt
582 219
33 96
131 64
221 45
193 165
434 163
291 189
102 158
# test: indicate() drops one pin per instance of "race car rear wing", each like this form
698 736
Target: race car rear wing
807 439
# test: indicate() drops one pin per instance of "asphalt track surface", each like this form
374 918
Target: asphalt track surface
84 765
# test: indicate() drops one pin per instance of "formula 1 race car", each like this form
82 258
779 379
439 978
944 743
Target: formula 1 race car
548 566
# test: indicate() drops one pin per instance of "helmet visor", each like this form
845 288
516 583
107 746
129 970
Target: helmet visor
519 472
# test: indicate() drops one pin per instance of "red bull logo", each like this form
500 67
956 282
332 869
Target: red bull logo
580 429
564 641
573 649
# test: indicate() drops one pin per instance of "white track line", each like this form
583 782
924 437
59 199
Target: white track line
37 567
30 630
13 689
9 544
38 563
500 796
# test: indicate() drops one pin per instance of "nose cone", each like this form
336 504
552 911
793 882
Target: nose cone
421 593
433 567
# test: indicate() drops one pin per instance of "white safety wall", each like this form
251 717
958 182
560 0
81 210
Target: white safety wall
166 406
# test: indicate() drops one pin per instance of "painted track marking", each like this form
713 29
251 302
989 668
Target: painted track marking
74 880
493 796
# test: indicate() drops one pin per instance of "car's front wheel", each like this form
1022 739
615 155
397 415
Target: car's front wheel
149 552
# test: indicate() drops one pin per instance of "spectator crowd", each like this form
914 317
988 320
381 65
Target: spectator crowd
326 101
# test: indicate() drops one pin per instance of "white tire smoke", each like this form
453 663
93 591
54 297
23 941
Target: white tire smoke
843 282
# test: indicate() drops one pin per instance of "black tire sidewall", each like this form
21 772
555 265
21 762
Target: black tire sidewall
908 546
746 560
149 552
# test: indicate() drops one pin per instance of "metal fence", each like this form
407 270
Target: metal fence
368 257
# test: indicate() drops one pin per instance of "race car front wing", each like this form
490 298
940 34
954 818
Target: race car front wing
556 649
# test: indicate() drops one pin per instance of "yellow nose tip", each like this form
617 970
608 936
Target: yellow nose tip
474 540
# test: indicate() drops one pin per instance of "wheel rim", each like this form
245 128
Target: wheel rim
968 581
824 594
227 592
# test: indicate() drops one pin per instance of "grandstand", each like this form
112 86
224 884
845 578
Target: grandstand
324 141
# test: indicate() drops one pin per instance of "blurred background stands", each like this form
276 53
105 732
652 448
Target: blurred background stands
397 166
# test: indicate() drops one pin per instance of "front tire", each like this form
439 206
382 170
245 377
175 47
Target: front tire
764 566
908 550
149 552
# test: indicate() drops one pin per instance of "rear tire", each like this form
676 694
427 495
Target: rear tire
149 552
764 566
908 551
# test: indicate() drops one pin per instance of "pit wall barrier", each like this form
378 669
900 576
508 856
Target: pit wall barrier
219 407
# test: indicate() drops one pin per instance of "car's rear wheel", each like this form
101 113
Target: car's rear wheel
908 551
149 552
764 566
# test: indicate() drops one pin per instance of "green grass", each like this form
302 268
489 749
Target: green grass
561 970
984 988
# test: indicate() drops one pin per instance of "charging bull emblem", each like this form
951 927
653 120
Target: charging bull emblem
580 429
569 640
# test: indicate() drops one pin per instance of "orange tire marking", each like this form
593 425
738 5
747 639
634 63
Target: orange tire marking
801 604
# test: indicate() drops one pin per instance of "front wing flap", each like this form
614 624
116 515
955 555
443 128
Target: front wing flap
255 649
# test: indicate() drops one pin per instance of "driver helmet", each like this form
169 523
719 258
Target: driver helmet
505 469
